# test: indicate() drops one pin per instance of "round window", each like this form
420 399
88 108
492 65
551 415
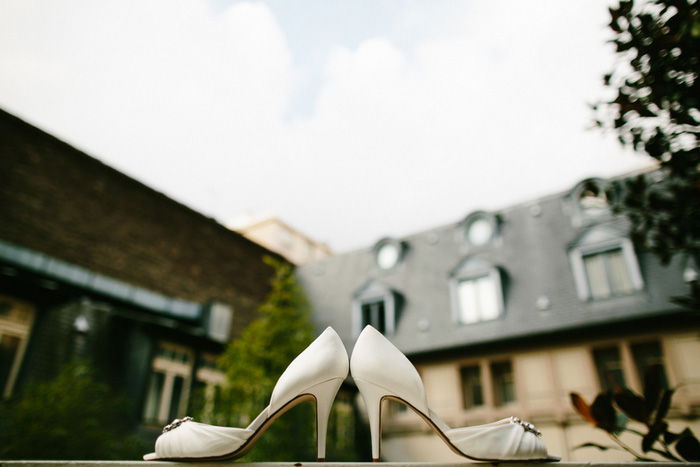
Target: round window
480 232
388 255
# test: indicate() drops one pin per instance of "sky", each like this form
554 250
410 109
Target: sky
351 120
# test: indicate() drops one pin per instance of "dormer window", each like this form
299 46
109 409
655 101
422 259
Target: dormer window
480 228
388 253
604 264
374 314
592 199
480 232
478 299
388 256
377 305
592 196
476 292
607 274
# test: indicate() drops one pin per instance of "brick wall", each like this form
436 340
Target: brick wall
57 200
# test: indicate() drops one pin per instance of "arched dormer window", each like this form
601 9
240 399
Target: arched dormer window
377 305
481 229
476 287
388 253
604 264
592 199
591 196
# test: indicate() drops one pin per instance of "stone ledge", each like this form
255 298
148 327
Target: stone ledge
332 464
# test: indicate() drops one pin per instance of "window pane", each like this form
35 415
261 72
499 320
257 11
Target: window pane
488 298
480 232
609 367
374 314
175 398
472 395
597 279
366 315
503 383
619 275
608 274
9 347
468 302
478 299
155 392
648 357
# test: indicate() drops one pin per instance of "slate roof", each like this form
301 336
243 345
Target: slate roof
532 253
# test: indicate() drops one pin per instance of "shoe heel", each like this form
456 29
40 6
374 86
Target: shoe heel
373 396
324 393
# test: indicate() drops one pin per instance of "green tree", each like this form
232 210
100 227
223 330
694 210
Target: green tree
656 110
255 361
75 416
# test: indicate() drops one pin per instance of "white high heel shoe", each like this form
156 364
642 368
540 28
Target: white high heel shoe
381 372
315 375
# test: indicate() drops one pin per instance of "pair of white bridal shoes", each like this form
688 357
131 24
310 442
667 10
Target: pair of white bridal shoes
381 372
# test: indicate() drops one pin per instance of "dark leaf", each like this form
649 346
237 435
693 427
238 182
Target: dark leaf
633 405
653 385
654 432
604 414
594 445
613 22
688 446
664 405
670 437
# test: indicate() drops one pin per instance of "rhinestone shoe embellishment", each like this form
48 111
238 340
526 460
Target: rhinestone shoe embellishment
176 423
527 425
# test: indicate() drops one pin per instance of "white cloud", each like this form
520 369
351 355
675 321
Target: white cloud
476 105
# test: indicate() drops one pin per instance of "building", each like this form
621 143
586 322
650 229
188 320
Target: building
280 237
94 264
506 313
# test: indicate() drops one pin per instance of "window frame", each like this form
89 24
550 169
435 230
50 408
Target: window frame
493 397
170 369
599 357
374 292
210 379
492 220
628 362
581 277
19 327
474 269
399 248
474 391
